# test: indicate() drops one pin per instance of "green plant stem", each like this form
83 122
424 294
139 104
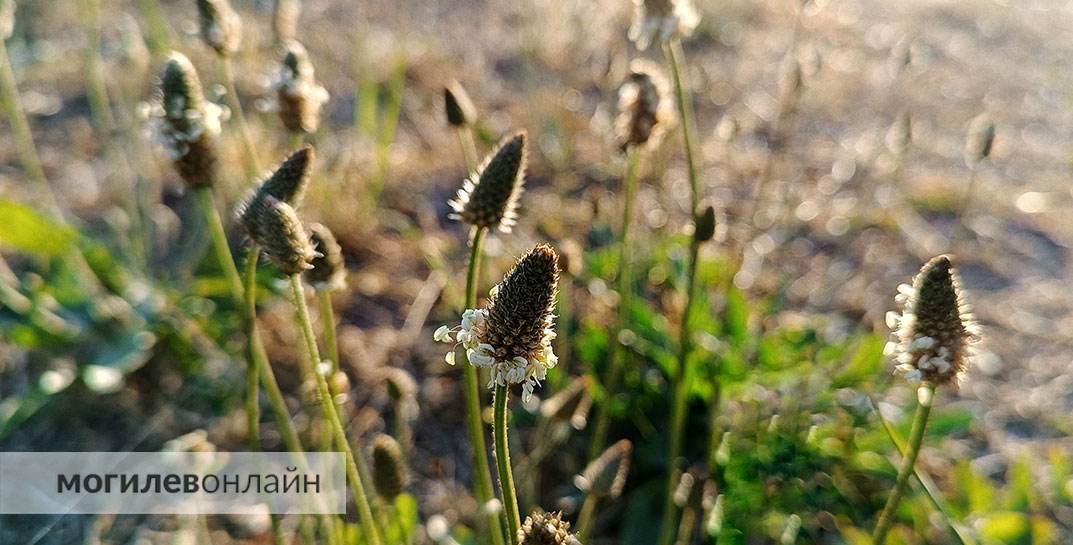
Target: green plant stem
469 149
676 58
506 477
159 33
925 398
253 373
227 74
680 385
482 480
625 290
327 319
219 241
925 483
584 518
20 126
361 501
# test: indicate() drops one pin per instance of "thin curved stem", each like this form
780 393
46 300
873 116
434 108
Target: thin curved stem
219 242
925 396
482 479
584 519
253 374
327 320
506 477
327 405
676 57
625 290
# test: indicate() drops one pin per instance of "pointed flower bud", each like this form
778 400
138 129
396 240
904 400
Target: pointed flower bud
645 107
299 96
980 139
542 528
934 333
274 225
329 270
457 105
287 183
704 225
185 124
389 467
512 335
221 27
606 475
662 20
490 200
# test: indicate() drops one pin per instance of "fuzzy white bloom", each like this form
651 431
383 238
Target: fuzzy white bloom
165 130
662 19
518 370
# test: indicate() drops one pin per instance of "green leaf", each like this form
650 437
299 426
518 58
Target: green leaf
865 363
27 230
737 316
1007 527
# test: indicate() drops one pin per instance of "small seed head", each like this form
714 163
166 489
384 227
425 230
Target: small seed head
934 333
491 200
287 183
662 20
980 139
521 312
571 404
458 106
329 270
389 467
274 225
187 124
645 108
300 97
542 528
607 474
221 27
704 225
401 386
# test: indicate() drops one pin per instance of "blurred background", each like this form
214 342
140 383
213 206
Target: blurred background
833 138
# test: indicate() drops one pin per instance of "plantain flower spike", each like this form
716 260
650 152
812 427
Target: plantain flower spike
512 335
705 225
980 139
606 475
287 183
185 124
221 27
933 334
489 198
457 105
299 96
542 528
329 270
274 225
645 107
662 19
389 467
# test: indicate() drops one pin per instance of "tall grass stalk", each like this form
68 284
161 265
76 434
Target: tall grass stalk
675 57
925 397
207 202
625 290
482 480
506 477
20 126
331 416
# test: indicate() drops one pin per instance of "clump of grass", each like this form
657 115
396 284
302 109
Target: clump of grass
933 336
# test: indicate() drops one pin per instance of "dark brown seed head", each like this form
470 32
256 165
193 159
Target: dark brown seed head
329 270
221 27
287 183
274 225
457 105
606 475
936 330
980 139
704 225
189 124
389 467
521 311
643 106
542 528
299 95
490 202
571 404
